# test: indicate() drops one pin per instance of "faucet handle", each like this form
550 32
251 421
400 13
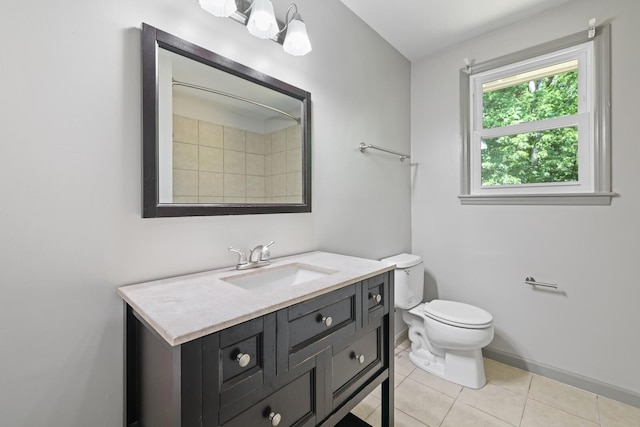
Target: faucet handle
266 253
242 257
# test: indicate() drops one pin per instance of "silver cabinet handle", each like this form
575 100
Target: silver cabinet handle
275 418
377 298
243 359
359 359
327 321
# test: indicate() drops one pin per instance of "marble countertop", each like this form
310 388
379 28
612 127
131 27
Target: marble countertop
184 308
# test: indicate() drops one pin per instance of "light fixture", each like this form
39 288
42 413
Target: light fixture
262 22
220 8
296 41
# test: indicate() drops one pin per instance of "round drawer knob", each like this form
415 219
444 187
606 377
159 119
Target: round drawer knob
327 321
360 358
275 418
377 298
243 359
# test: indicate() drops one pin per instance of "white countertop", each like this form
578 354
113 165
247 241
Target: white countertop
185 308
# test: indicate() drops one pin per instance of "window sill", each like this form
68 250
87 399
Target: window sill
586 199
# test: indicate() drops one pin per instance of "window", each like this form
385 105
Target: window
535 125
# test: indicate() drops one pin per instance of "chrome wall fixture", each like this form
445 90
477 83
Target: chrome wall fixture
362 147
262 23
533 282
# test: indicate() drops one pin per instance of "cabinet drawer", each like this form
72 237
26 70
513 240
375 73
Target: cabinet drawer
242 359
292 404
375 297
356 358
310 320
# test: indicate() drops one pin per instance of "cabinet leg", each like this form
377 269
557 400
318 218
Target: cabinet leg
387 403
388 398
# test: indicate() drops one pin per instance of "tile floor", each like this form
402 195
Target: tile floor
512 397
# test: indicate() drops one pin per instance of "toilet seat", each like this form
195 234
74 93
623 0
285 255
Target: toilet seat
458 314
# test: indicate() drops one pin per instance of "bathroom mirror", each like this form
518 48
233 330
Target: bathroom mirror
219 138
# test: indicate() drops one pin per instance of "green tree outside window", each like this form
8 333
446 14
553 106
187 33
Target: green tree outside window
536 157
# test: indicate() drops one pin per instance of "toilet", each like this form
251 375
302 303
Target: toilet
446 336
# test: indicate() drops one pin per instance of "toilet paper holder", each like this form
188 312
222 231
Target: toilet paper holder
531 281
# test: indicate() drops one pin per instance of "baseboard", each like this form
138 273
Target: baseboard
401 337
603 389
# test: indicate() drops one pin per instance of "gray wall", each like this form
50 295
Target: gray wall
70 223
481 254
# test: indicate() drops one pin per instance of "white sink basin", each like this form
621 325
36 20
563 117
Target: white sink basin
277 278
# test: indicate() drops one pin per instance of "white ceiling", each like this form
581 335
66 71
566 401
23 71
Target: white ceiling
417 28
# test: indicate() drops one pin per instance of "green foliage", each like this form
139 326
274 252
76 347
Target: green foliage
536 157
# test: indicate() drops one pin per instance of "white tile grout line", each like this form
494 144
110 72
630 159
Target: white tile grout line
448 412
526 401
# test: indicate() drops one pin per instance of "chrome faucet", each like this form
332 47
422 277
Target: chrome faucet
242 258
258 257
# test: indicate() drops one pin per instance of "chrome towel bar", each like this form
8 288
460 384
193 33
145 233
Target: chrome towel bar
531 281
362 147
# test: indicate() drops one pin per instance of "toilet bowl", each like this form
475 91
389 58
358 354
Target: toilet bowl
446 336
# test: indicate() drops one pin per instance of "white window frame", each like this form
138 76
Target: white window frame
592 120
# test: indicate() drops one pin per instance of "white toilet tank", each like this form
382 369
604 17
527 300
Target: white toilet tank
409 280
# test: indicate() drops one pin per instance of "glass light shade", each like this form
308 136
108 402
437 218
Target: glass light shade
262 21
221 8
297 42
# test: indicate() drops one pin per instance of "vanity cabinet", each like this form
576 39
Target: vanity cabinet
304 365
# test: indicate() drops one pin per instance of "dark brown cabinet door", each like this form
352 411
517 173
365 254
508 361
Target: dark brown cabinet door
356 358
288 406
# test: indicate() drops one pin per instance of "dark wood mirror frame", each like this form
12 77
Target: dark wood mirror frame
152 39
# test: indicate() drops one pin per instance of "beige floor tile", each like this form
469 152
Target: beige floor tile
497 401
507 376
397 379
565 397
462 415
512 397
616 414
400 420
377 392
421 402
443 386
404 345
537 414
366 407
403 365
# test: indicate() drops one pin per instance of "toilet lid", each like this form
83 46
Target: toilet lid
404 260
458 314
